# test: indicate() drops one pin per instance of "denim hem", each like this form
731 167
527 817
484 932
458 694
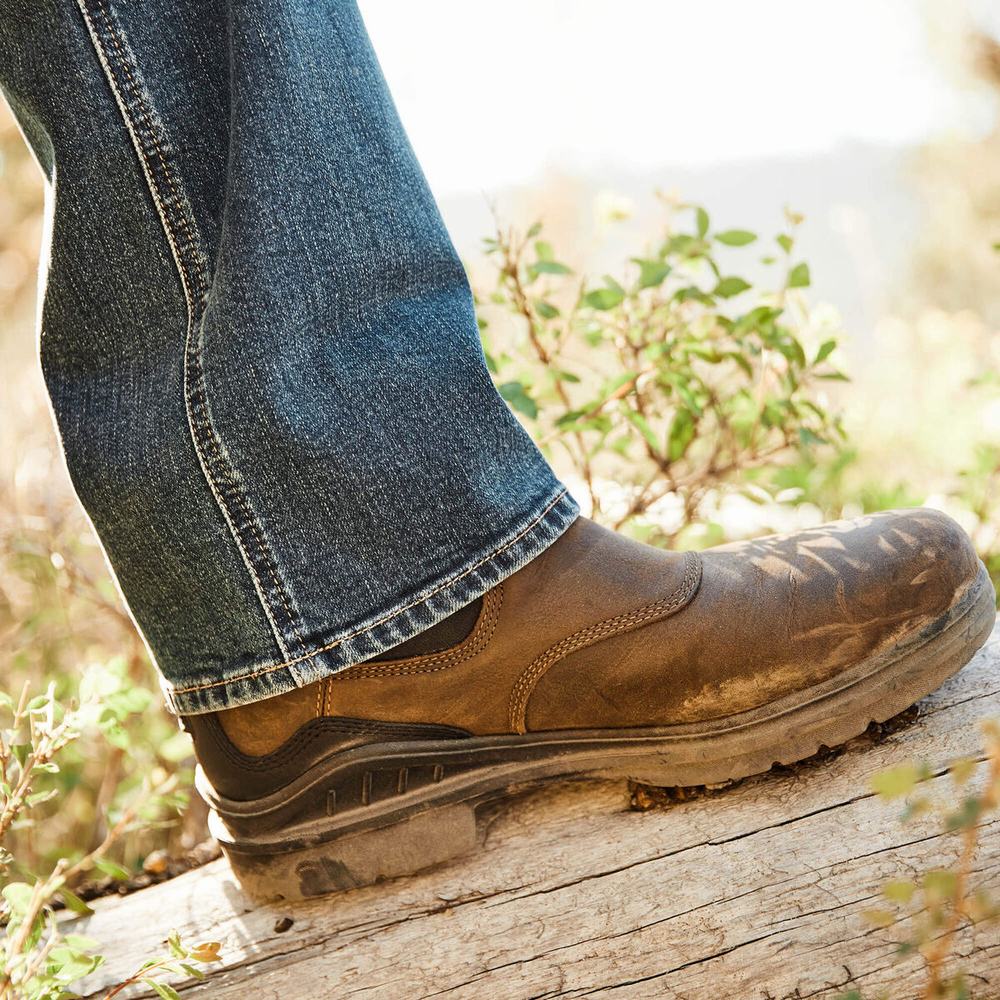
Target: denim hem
527 539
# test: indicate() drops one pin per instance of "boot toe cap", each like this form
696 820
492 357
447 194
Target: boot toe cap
921 561
782 614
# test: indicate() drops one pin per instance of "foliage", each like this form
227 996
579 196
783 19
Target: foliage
177 962
675 381
932 906
39 962
664 391
60 618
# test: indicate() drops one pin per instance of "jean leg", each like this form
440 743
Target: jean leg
350 475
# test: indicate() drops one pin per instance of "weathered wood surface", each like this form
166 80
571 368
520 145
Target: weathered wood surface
755 892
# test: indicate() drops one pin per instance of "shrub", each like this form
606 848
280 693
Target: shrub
669 384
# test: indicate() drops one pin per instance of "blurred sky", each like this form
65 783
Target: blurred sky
494 93
541 106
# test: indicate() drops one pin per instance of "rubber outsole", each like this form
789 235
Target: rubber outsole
387 810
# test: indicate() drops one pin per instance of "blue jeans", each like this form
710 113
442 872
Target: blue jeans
259 342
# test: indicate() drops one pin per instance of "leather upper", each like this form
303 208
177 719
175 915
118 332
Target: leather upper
601 632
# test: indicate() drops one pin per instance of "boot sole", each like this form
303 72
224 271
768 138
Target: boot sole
391 809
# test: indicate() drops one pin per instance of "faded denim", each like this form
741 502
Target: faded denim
259 342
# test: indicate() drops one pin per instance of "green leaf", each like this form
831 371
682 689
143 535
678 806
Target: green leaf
728 287
799 277
879 918
547 267
604 298
736 237
940 884
785 242
895 782
116 735
792 350
899 891
683 244
620 445
741 361
702 220
37 798
683 389
163 990
825 350
570 418
18 896
705 352
130 701
113 869
516 395
651 272
759 318
967 814
545 309
77 905
681 434
692 292
544 250
71 964
640 423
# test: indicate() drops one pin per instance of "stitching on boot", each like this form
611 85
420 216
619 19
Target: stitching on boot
474 643
553 505
618 625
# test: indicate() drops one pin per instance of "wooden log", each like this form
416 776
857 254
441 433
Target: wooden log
757 891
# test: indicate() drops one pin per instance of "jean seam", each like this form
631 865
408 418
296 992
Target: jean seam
172 211
353 635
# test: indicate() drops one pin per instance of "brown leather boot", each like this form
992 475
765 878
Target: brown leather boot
601 657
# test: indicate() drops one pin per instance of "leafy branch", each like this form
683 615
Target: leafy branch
676 381
38 961
935 906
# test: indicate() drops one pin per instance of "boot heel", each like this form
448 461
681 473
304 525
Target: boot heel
357 859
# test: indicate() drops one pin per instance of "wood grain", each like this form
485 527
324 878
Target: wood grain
754 892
